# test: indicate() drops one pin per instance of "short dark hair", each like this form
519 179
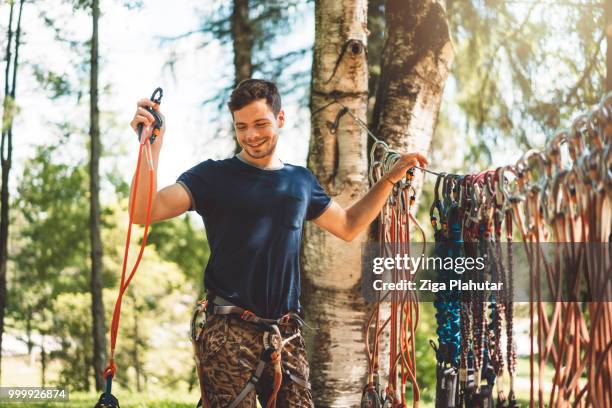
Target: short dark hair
251 90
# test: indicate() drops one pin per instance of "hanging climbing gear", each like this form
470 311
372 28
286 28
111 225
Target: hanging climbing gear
543 199
107 400
447 303
394 238
271 354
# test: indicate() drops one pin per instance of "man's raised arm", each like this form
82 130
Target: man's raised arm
171 201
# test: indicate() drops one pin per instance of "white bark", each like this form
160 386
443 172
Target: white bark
415 66
332 267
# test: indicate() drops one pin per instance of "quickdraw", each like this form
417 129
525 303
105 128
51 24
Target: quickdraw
107 400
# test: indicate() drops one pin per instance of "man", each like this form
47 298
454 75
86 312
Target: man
254 207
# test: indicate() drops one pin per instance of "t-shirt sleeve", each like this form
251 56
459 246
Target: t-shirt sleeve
319 200
196 181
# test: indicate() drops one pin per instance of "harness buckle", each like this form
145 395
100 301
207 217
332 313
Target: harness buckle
249 316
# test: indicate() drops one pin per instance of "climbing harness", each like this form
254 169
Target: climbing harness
107 400
271 354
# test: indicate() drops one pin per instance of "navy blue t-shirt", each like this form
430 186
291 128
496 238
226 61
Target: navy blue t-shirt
253 219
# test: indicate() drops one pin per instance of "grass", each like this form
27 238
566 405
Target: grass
126 400
17 372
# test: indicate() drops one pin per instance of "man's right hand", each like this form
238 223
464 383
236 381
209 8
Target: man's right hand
170 201
144 117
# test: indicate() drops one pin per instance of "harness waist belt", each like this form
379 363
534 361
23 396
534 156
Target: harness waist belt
222 306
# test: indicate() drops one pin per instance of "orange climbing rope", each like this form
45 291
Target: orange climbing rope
394 238
146 136
144 145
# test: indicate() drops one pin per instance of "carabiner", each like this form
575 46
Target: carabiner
156 97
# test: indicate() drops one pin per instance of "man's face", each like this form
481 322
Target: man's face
257 128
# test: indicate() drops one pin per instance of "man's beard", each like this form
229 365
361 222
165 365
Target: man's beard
261 153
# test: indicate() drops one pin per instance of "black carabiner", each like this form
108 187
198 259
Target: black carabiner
156 98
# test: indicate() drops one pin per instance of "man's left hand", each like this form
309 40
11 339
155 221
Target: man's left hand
405 162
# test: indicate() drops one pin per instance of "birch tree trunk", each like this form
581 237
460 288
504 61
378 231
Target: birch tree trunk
415 64
97 306
608 28
332 267
6 156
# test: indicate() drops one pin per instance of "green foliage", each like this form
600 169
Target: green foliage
175 399
121 186
72 326
51 256
57 85
524 69
52 200
49 278
178 241
272 57
150 307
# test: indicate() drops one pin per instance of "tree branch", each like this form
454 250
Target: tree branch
574 91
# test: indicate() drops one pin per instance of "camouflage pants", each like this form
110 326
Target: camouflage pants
228 351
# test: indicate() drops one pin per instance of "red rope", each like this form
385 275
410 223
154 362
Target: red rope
144 145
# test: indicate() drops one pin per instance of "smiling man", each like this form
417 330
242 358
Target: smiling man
254 207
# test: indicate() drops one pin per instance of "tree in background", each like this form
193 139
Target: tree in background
97 306
59 86
242 40
338 158
145 334
608 31
526 68
9 110
49 295
376 42
66 85
254 29
409 80
415 63
51 245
